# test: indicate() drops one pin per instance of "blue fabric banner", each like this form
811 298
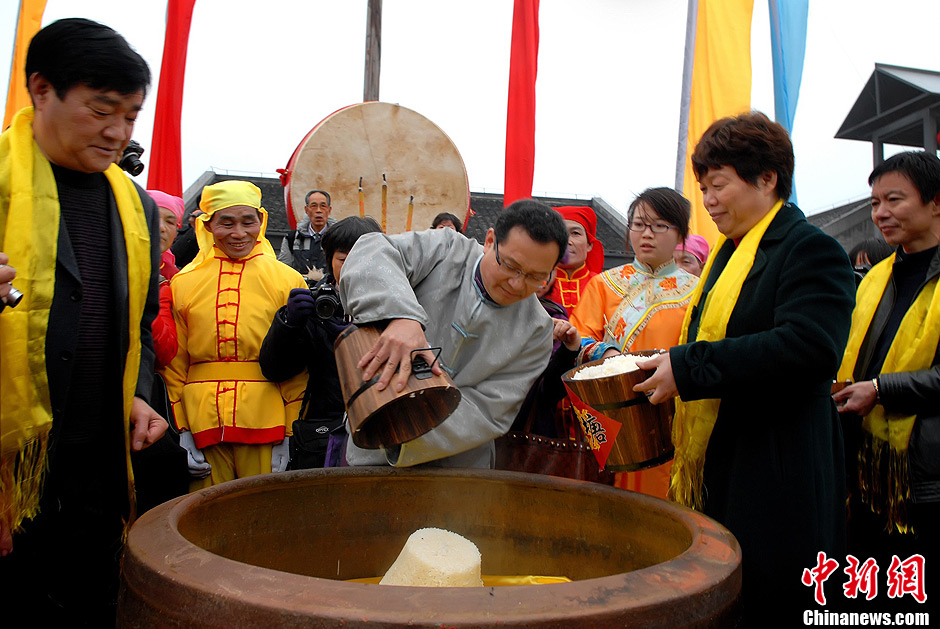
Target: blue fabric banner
788 46
788 42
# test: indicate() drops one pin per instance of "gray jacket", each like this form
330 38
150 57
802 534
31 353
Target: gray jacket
303 252
493 353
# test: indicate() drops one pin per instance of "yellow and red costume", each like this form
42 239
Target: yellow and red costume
570 284
569 287
223 308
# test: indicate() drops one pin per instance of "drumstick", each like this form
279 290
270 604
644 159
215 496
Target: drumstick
362 201
411 209
384 204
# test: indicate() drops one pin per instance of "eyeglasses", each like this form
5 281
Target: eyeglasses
639 227
535 280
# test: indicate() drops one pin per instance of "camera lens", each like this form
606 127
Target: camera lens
326 306
131 164
130 160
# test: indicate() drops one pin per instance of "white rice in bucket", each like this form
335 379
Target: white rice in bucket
613 366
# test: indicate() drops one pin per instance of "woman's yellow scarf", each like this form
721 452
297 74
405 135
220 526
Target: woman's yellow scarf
29 230
884 468
694 421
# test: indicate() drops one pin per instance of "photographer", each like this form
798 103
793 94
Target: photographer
302 335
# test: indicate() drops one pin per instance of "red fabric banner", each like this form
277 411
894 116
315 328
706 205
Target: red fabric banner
166 163
520 113
601 431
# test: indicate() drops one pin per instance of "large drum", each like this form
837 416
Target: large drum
371 141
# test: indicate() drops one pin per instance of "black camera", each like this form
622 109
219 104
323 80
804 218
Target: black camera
326 301
130 160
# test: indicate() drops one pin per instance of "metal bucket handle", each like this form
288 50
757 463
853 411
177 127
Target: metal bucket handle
419 365
419 368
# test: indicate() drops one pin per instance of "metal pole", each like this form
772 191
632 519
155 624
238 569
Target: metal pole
686 99
370 89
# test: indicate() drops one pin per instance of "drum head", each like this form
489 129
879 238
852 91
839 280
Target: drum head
371 139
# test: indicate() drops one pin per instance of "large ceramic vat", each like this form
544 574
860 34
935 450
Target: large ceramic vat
273 551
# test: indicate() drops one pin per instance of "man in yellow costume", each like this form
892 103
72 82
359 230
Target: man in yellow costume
76 353
233 422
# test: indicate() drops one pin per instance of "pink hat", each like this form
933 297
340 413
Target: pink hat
174 204
696 245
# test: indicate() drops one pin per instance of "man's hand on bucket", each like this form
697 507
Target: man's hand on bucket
393 351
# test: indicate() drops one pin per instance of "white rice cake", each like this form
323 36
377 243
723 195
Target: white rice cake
613 366
436 558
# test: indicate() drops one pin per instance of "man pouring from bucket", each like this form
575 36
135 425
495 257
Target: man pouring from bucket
437 288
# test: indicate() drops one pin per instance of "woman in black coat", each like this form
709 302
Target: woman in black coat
758 440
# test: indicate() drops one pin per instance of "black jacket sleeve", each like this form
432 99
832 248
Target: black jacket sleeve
284 350
911 392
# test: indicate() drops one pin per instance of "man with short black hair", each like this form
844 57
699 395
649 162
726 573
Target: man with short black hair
303 249
890 414
478 304
76 355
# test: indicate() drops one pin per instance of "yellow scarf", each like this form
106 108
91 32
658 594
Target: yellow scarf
887 434
694 421
29 230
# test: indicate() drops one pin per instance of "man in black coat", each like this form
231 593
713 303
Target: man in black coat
905 199
87 86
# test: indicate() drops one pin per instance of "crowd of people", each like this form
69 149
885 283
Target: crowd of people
131 318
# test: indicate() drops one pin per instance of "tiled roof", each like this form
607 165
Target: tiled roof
611 226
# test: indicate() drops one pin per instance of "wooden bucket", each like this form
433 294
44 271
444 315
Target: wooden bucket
838 386
386 418
645 437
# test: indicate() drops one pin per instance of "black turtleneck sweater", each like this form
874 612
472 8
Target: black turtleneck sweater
94 395
908 273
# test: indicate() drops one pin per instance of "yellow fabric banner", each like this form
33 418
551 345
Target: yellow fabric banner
28 24
721 86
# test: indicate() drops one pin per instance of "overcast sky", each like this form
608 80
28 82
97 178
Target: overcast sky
260 75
